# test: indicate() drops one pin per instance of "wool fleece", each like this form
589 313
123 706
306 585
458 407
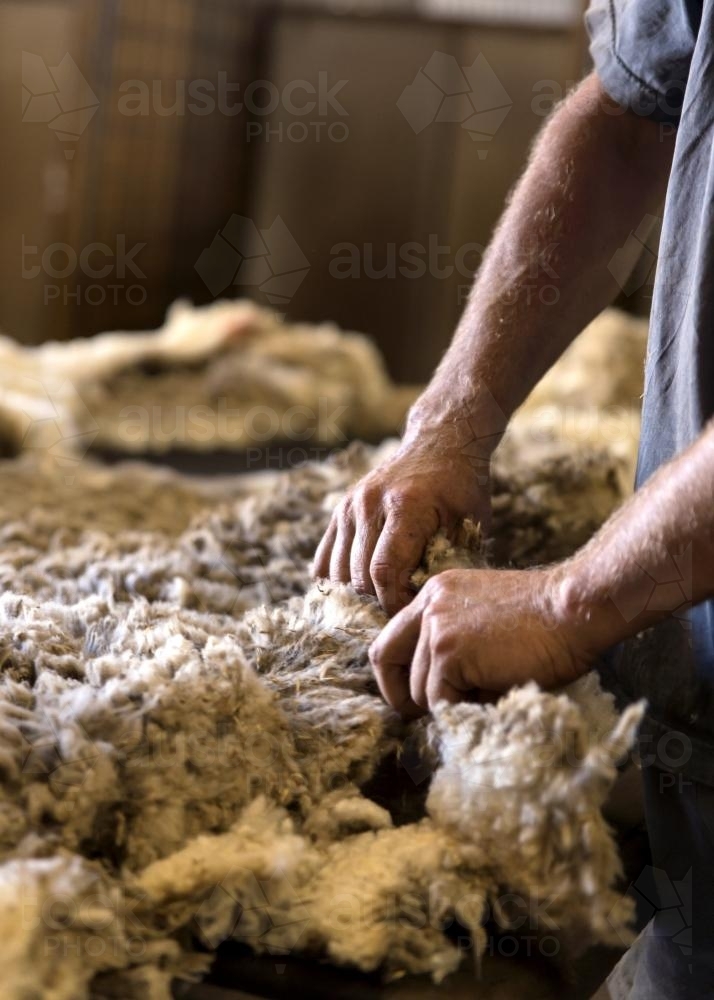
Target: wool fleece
226 375
193 747
232 375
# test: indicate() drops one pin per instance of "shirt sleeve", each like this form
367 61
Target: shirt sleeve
642 50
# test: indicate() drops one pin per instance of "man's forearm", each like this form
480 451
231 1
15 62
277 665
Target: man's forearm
654 558
596 170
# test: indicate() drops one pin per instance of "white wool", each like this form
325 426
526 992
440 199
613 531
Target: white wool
532 775
589 400
179 704
177 701
201 381
234 356
603 367
61 921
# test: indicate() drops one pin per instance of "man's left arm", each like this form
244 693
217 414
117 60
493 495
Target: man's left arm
483 631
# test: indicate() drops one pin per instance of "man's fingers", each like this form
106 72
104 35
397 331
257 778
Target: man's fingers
398 553
340 559
391 655
419 669
445 683
321 563
368 526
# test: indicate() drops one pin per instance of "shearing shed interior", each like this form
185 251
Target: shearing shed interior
321 377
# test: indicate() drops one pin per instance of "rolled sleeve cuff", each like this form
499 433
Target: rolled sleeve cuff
622 84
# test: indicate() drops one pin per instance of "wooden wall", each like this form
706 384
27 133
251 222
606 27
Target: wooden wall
172 181
34 174
386 184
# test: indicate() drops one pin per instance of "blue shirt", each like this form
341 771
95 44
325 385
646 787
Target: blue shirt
656 58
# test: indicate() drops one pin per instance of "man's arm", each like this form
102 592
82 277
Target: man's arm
486 630
596 170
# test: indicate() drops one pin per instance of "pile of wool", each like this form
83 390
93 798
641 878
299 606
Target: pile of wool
226 375
549 496
603 367
232 375
582 422
193 746
591 398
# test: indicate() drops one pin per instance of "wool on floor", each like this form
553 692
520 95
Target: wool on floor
193 746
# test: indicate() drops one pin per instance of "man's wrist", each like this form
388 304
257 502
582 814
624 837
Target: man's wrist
469 428
587 606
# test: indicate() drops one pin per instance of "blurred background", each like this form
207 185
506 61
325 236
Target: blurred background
336 161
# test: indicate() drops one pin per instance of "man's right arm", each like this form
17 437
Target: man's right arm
596 170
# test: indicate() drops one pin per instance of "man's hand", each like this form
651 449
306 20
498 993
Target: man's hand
592 177
479 632
473 633
379 531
